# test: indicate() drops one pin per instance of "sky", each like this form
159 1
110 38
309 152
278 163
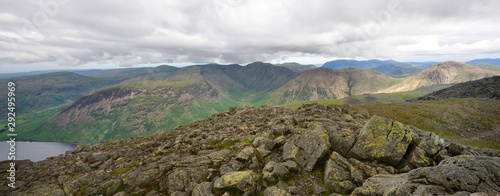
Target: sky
82 34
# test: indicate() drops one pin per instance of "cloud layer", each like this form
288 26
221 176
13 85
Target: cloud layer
126 32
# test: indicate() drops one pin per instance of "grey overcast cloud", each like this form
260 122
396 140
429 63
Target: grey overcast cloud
63 34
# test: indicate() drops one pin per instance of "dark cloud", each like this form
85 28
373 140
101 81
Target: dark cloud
125 32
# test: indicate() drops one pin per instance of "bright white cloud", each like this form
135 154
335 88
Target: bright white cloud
126 32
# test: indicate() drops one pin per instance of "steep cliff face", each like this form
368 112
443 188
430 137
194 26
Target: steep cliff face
271 151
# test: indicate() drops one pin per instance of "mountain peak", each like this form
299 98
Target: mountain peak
259 63
448 72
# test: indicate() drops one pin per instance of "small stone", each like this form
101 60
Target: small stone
245 154
291 165
317 189
263 152
290 151
274 171
274 191
202 189
255 164
264 143
280 140
347 117
294 190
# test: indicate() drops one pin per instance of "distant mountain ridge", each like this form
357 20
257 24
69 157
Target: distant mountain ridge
443 73
388 67
494 61
296 67
147 100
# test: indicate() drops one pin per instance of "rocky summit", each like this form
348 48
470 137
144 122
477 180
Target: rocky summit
314 150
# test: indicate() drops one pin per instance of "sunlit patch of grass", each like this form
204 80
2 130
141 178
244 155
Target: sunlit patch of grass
449 118
483 143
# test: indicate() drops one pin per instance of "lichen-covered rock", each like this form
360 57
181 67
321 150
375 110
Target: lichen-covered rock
264 143
203 189
418 158
464 173
178 180
51 189
245 181
382 140
312 145
220 156
290 151
290 165
383 184
231 166
342 140
347 117
139 178
245 154
275 191
337 175
100 156
429 142
274 172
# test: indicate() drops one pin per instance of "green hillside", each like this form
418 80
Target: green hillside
469 121
114 104
158 101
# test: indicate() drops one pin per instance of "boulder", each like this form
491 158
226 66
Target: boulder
337 176
245 181
383 140
308 147
342 140
460 174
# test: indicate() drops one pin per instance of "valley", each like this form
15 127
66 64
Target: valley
106 105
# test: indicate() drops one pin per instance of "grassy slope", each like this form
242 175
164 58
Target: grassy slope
469 121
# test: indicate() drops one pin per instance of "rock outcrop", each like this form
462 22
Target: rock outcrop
315 150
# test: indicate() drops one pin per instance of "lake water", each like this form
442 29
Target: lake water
35 151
